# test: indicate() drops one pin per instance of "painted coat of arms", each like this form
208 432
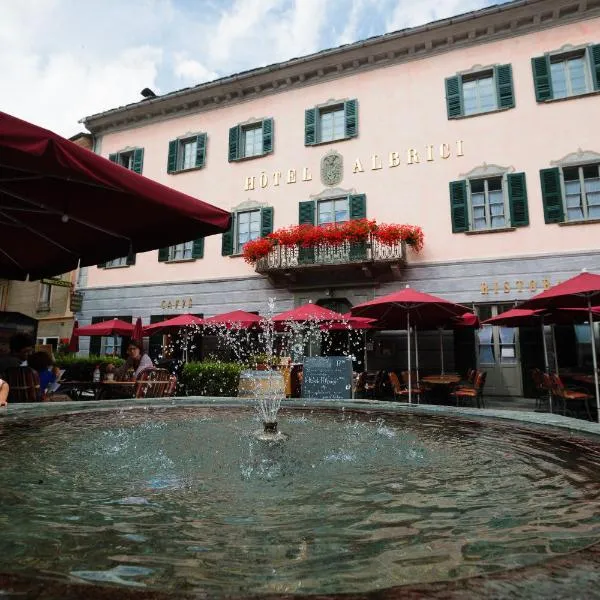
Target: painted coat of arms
332 168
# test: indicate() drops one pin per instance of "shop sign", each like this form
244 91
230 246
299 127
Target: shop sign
75 301
518 285
178 303
55 281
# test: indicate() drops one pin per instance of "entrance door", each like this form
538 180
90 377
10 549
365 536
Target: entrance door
498 354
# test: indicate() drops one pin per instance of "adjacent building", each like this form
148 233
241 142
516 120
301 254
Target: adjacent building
482 129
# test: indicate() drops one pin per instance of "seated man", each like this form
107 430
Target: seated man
21 346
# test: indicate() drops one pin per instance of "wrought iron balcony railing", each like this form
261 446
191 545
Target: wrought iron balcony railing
325 254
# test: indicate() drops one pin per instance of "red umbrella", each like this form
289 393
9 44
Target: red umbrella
308 313
407 307
581 291
138 330
235 319
74 341
350 322
179 322
106 328
63 205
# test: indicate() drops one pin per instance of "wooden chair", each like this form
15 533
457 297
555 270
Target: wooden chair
152 383
172 389
360 385
543 387
475 392
567 397
400 390
24 385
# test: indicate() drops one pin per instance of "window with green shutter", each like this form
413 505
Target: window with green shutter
251 140
186 153
132 159
181 252
246 225
566 74
123 261
489 203
330 123
480 92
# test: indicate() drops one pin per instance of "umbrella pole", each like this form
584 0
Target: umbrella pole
441 348
546 365
416 361
594 357
555 350
365 349
409 377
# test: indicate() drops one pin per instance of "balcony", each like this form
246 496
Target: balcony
325 264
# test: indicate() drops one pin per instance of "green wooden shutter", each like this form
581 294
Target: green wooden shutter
163 254
541 78
552 195
358 206
266 221
267 130
172 158
234 143
201 150
227 240
310 126
306 213
594 53
351 118
198 248
101 265
131 258
138 160
96 340
114 157
504 86
454 100
517 198
459 208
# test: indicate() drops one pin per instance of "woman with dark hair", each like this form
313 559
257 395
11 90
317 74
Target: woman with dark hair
44 365
137 361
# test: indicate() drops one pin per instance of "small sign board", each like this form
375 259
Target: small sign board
56 281
327 377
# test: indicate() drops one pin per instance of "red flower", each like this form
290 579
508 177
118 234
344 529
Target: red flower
257 249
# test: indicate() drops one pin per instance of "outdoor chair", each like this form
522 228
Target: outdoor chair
24 385
474 392
571 398
152 383
543 387
172 389
360 385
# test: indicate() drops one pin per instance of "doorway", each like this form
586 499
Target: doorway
498 353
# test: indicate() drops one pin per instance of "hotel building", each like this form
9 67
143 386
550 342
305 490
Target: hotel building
482 129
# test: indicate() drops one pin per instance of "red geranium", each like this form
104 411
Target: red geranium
257 249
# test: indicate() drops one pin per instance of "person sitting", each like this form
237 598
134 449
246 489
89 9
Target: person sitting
21 346
137 361
44 365
4 389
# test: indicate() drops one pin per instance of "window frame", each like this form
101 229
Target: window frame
182 143
116 263
488 73
584 205
505 200
338 107
127 155
244 130
562 56
237 249
323 201
185 247
44 297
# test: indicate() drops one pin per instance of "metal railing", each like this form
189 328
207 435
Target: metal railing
324 254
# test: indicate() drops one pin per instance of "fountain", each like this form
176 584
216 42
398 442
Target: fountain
176 498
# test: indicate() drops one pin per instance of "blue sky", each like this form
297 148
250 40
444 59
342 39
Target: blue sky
62 60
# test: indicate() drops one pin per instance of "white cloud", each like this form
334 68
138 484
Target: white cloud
191 70
411 14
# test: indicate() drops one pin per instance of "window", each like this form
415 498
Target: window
48 341
333 211
132 159
480 92
111 345
559 75
495 344
251 140
186 153
329 123
44 297
571 193
582 192
248 223
181 251
185 251
488 203
248 227
117 262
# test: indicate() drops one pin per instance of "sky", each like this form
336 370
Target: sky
62 60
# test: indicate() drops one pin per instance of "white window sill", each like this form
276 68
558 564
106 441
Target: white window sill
579 222
572 97
185 170
342 139
116 266
245 158
479 114
180 260
496 230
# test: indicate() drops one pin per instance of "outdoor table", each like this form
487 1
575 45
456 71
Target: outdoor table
581 378
447 379
106 385
74 389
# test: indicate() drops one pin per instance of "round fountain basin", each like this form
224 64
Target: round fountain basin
261 384
185 499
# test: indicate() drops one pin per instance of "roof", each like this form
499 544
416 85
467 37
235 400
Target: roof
379 50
